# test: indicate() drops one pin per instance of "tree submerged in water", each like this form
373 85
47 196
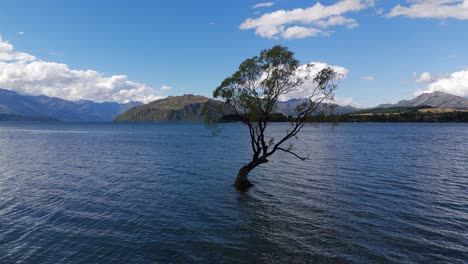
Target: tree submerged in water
252 93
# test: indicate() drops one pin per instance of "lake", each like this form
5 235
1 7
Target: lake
162 193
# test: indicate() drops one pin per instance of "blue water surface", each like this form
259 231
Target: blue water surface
162 193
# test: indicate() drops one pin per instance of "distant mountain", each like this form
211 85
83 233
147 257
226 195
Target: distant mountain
56 108
188 108
287 108
173 108
15 117
435 99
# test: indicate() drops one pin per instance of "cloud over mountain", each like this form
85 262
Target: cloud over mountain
456 83
24 73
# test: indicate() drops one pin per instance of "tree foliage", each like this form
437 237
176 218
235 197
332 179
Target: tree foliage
252 92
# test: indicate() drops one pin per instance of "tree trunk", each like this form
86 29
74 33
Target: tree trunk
242 182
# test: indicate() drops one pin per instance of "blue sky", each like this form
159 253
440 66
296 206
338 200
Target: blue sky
390 52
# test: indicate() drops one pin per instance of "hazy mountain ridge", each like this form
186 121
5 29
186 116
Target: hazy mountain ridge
189 108
55 108
287 108
435 99
15 117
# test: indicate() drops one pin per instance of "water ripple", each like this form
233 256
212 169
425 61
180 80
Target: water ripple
161 193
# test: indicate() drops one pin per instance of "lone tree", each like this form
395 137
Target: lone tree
252 94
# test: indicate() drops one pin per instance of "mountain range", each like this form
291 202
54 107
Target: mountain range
26 107
189 107
14 106
435 99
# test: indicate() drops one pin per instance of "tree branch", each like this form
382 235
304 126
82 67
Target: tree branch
294 154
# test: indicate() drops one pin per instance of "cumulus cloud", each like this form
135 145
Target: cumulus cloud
306 89
368 78
439 9
25 74
456 84
8 54
302 22
267 4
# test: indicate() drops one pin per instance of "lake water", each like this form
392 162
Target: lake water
162 193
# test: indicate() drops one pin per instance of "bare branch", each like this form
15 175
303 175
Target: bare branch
294 154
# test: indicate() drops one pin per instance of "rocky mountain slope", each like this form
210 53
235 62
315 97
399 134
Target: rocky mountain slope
173 108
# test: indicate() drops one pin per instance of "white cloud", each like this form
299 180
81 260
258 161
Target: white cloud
25 74
337 21
165 88
276 24
298 32
8 54
425 77
456 84
347 101
267 4
439 9
306 89
21 33
368 78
